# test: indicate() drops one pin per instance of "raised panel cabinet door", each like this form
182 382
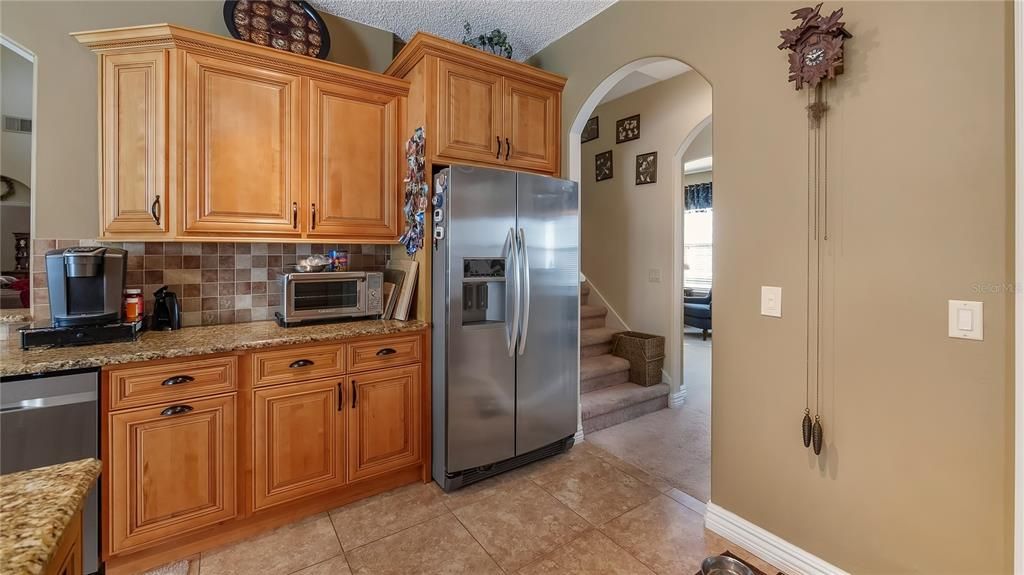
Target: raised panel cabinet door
384 422
133 117
172 470
242 149
469 114
532 121
298 446
353 163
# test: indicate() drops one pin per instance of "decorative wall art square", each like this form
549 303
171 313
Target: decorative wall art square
646 168
627 129
591 131
603 168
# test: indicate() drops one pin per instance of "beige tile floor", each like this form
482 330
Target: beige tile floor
584 512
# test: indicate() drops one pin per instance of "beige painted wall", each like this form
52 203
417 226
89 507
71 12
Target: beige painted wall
67 202
626 228
916 475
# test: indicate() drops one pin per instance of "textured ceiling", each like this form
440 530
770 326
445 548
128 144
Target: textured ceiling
530 24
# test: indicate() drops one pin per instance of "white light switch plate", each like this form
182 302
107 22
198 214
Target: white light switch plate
771 301
654 275
966 319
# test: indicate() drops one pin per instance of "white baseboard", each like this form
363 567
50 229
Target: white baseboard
579 435
766 545
677 399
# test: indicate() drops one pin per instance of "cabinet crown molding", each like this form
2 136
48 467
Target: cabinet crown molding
423 44
169 36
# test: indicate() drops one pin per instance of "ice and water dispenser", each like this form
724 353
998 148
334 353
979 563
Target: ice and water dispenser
483 291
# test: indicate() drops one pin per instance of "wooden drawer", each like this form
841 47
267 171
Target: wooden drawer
165 382
295 363
385 352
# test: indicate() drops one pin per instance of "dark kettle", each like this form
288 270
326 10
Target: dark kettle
166 310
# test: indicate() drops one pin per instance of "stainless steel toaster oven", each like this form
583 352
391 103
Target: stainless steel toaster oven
313 296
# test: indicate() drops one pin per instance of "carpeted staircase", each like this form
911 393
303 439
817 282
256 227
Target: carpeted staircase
607 396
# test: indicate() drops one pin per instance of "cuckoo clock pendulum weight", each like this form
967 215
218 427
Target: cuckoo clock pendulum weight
815 48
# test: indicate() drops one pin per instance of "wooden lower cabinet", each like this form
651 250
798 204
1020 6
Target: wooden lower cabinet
248 443
298 440
384 424
172 470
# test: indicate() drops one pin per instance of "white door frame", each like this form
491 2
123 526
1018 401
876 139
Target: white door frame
678 203
1018 286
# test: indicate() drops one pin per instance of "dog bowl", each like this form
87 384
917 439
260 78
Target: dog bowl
722 565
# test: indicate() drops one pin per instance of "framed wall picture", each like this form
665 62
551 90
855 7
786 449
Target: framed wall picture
603 168
591 131
646 168
627 129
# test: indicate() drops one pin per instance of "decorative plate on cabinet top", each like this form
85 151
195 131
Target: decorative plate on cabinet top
289 25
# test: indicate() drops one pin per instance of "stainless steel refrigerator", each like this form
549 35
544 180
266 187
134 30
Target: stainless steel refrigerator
505 321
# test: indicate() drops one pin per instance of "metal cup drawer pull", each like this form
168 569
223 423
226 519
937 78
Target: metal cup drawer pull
301 363
178 380
386 351
176 410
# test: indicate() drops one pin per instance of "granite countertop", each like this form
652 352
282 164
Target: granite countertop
188 341
16 315
35 508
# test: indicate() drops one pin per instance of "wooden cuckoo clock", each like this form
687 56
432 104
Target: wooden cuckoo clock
815 46
815 59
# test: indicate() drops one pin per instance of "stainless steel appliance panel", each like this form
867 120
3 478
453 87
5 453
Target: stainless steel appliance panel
51 419
481 374
548 349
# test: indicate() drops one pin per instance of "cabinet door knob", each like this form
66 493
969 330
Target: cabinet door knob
295 216
176 410
508 148
300 363
313 218
498 155
178 380
154 210
387 351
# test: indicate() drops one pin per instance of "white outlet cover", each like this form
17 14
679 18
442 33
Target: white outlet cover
771 301
966 319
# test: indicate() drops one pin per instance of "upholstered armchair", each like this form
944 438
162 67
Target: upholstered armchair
697 313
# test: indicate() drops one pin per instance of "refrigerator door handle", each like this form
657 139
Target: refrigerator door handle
512 291
524 262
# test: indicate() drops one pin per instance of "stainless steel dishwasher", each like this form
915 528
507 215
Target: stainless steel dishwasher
49 419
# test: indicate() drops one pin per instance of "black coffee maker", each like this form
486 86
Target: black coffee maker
85 284
166 310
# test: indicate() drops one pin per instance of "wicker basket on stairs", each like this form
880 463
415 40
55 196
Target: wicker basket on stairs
646 355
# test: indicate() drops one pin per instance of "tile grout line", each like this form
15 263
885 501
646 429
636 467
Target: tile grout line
418 523
478 542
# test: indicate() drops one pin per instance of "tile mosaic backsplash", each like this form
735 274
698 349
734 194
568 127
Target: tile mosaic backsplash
216 282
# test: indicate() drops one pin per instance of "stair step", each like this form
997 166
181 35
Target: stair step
601 371
619 403
584 293
596 341
592 316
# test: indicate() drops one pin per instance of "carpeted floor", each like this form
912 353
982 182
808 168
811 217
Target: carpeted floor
674 444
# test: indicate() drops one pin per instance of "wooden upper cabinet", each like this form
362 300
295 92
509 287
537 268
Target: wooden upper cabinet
242 149
384 421
172 470
210 137
469 123
298 440
354 158
531 126
133 119
484 109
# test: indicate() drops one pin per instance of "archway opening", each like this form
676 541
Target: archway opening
632 257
